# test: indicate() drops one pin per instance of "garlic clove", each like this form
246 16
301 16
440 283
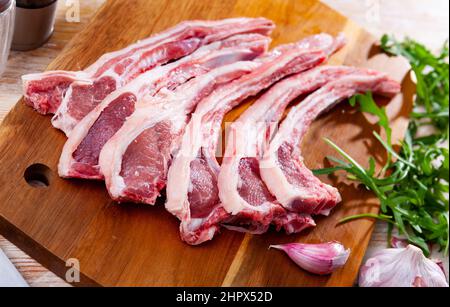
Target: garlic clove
401 267
321 259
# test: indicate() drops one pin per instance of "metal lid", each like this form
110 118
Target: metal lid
4 5
33 4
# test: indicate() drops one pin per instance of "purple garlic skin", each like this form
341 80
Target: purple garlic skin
401 267
321 259
397 242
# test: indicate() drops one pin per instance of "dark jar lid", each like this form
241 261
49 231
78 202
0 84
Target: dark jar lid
4 5
33 4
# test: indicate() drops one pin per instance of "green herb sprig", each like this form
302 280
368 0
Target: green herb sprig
414 194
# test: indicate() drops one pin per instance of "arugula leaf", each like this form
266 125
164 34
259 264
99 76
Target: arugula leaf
368 105
414 196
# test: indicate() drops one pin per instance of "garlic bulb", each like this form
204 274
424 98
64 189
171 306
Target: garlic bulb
440 264
401 267
319 259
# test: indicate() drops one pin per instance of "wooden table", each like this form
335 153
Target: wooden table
425 21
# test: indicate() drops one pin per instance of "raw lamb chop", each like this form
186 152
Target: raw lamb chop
81 152
282 168
241 189
135 160
73 94
192 192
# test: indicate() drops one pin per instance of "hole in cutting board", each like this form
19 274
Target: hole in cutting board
37 175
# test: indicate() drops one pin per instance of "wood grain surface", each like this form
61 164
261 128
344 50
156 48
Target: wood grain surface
10 90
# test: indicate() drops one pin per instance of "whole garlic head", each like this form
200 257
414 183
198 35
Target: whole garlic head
401 267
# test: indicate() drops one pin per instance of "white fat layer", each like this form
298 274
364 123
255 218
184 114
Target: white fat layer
229 182
76 75
178 179
274 179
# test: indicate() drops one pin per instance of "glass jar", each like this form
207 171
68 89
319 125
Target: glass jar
7 10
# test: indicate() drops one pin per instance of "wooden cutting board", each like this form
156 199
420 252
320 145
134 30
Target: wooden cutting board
130 244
